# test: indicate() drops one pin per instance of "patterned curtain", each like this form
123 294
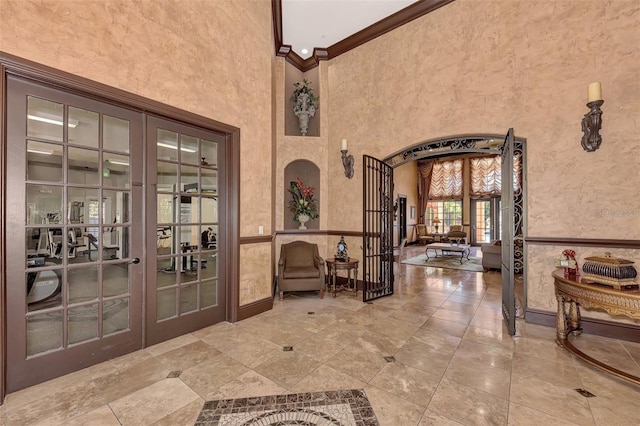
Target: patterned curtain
446 180
486 175
425 167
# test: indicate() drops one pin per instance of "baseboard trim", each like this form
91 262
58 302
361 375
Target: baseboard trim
605 328
255 308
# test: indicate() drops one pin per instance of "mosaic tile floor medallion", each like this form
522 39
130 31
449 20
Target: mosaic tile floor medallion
331 408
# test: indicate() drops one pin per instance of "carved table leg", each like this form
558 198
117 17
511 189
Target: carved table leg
561 321
574 316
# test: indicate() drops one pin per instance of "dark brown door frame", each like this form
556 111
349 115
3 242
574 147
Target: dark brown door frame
13 65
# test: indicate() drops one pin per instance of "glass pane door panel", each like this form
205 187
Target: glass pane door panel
166 304
165 241
209 293
165 208
44 119
189 150
45 204
209 266
209 237
83 166
209 153
115 207
209 210
44 162
83 284
483 221
167 175
209 182
115 316
115 280
83 127
166 275
45 332
115 134
83 323
189 178
115 171
44 288
167 145
188 298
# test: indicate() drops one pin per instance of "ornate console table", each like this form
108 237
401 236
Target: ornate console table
571 294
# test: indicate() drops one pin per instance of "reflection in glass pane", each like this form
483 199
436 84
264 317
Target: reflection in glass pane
167 145
208 237
189 178
164 240
209 153
45 119
85 131
166 272
189 150
44 288
167 176
83 166
189 238
209 210
44 161
83 284
165 208
166 304
115 315
188 298
79 200
209 267
115 206
115 279
115 134
44 332
44 203
209 181
209 293
188 209
83 323
115 170
119 238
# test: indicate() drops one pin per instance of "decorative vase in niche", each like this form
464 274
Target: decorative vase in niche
304 110
303 219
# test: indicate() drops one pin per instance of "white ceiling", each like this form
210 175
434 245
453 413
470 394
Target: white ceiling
322 23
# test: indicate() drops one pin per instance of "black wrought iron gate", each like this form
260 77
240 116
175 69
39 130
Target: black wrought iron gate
508 234
377 242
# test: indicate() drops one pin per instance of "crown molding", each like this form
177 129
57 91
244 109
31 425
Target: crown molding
391 22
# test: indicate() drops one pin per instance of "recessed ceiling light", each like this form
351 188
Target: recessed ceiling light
305 51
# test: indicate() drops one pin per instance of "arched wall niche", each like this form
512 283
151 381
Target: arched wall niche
310 174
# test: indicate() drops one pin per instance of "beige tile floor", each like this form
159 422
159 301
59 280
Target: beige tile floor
454 364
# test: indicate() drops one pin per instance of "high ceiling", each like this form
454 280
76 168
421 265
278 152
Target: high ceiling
307 24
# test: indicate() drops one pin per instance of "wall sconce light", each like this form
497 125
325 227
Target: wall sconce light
347 160
592 121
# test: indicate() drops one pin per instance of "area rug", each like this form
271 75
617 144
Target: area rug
335 408
449 261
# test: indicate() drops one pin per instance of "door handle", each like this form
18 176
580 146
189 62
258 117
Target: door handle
134 261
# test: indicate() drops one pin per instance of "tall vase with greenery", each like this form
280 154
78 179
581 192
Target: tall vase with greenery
302 203
305 104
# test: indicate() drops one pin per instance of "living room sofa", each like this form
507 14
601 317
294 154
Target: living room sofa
492 255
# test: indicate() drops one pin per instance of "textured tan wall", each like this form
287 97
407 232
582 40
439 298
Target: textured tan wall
485 66
212 58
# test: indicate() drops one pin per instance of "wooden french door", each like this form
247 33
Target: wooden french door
377 244
186 278
508 234
74 214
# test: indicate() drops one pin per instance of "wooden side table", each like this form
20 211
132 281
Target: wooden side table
334 265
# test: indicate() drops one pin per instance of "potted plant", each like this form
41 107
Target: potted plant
302 203
304 104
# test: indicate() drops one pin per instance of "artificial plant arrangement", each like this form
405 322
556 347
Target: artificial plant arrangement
305 104
302 201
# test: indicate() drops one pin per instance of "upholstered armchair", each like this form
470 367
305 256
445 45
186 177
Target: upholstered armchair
300 268
423 234
456 234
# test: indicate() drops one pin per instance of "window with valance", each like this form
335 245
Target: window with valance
486 176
